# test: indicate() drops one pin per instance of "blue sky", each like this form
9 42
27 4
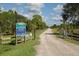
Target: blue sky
51 12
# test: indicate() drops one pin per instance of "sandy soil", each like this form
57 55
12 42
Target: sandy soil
50 45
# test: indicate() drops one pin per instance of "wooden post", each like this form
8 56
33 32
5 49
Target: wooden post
34 35
16 40
24 39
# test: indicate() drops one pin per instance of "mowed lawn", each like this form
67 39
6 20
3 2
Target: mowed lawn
22 49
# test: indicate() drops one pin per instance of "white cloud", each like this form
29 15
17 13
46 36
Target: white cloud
21 10
14 9
28 16
32 8
44 18
58 7
3 9
36 5
35 8
56 17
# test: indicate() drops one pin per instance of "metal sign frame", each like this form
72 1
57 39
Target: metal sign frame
20 31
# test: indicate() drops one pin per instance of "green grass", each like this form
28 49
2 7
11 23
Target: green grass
19 50
68 39
22 49
38 32
72 41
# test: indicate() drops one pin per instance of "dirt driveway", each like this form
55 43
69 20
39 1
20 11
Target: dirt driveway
50 45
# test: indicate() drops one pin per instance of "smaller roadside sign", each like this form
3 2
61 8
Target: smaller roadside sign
20 29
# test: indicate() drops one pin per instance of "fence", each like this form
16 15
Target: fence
9 38
74 36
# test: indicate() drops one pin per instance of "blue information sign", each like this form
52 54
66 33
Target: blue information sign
20 29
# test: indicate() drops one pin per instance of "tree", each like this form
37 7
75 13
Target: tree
37 20
70 15
8 21
65 17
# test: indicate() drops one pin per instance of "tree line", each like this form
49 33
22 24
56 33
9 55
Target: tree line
70 17
8 20
70 20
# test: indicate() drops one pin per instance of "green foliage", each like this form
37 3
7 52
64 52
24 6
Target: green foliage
71 12
9 18
23 49
70 17
37 20
54 26
8 21
26 49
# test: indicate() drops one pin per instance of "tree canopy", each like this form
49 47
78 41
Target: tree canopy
8 20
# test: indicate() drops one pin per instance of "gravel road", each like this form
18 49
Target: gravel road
50 45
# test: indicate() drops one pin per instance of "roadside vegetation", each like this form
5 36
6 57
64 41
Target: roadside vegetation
69 29
22 49
8 20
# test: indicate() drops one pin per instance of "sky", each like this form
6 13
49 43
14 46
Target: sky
50 12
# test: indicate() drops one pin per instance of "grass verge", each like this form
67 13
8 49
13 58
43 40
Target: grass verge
68 39
23 49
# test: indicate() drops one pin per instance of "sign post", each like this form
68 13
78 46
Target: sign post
20 31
